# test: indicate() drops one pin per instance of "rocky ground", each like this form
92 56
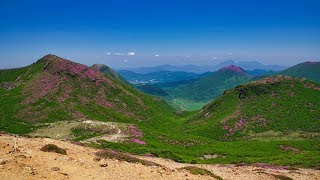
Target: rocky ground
21 158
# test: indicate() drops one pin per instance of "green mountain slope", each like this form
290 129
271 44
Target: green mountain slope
54 89
55 97
210 86
107 70
308 70
276 105
152 89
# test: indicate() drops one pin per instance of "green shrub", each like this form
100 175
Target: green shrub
200 171
124 157
53 148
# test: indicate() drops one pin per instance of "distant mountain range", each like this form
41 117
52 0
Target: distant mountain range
186 68
157 77
251 65
246 65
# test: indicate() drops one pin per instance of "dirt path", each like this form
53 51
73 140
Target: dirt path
28 162
118 136
62 130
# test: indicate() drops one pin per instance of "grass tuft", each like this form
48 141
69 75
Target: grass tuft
53 148
277 176
124 157
200 171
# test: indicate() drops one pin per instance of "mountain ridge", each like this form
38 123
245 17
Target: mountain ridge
56 89
212 85
308 69
109 71
246 65
271 104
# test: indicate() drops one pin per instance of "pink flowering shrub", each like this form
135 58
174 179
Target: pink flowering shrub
91 74
138 99
31 114
311 86
78 114
66 91
134 131
54 76
241 124
129 114
259 121
40 87
273 94
101 99
288 148
135 140
82 71
83 100
274 79
135 134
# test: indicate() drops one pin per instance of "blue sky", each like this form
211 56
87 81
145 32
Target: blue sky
160 32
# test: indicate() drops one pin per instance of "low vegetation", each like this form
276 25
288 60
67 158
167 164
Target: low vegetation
200 171
124 157
309 70
235 127
277 176
53 148
210 86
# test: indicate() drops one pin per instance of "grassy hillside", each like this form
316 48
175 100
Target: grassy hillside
274 120
152 89
210 86
54 89
309 70
273 106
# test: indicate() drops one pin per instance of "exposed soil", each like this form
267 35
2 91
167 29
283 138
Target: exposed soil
62 130
21 158
117 136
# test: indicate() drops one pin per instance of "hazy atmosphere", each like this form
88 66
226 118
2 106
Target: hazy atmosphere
160 89
146 33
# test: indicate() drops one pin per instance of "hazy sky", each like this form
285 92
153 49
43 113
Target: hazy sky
150 32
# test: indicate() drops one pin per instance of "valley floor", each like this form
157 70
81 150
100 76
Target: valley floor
21 158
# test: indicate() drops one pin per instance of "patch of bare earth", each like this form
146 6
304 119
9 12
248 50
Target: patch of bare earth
21 158
116 136
114 132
